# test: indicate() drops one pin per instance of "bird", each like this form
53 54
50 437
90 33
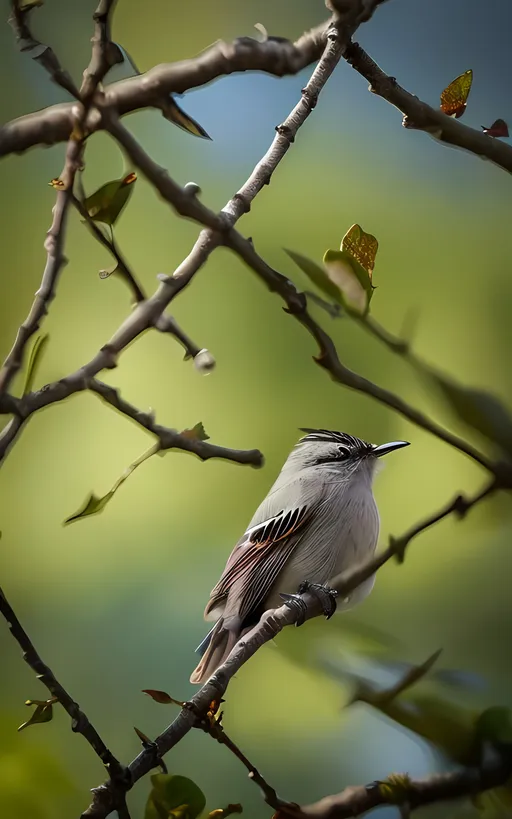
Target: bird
318 519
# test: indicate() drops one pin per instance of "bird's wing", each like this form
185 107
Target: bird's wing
257 559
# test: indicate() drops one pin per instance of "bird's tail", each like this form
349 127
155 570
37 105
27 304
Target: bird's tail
215 648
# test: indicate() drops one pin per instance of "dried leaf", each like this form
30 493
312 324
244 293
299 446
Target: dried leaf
34 361
316 274
105 204
162 697
43 712
143 738
93 505
499 128
454 97
174 113
173 795
196 433
362 246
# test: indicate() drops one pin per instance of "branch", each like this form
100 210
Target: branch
354 801
171 438
39 52
79 722
168 438
213 726
209 239
420 116
271 623
274 56
165 324
54 243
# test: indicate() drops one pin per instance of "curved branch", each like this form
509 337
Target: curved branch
423 117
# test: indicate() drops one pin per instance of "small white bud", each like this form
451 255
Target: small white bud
204 362
192 189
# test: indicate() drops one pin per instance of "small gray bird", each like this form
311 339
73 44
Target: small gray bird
319 519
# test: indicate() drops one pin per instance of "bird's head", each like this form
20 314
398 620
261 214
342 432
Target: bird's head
339 451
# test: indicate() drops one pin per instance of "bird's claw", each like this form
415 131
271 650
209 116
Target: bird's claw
325 595
295 602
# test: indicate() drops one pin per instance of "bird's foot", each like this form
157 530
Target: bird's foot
325 595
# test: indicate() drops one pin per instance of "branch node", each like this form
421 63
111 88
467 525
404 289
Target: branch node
286 132
244 201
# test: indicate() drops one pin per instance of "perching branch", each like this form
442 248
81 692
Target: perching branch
272 622
423 117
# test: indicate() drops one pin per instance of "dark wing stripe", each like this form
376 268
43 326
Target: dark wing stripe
259 580
246 557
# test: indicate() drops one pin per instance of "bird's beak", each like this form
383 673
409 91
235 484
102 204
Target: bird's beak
383 449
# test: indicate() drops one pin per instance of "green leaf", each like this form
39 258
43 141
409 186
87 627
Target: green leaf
43 712
93 505
316 274
479 410
26 5
197 433
495 725
173 795
34 361
172 112
105 204
351 279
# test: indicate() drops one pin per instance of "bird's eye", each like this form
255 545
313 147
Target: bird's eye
343 452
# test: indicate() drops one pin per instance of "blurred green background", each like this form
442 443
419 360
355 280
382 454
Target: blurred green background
114 603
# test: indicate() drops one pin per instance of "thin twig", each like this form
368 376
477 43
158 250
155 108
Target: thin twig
420 116
39 52
54 243
79 722
215 728
168 438
165 324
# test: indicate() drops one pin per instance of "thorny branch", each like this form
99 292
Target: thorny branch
96 111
